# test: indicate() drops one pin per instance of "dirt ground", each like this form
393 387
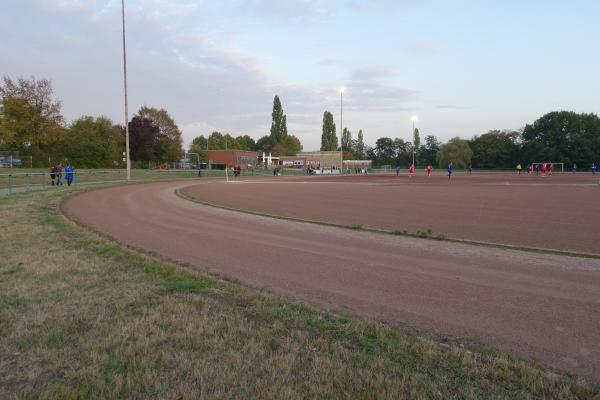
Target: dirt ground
559 212
540 306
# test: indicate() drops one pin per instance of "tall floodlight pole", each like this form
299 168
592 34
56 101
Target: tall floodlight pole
125 86
341 129
414 119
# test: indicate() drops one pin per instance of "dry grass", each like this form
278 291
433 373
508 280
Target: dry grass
84 318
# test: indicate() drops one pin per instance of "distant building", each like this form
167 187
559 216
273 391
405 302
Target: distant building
221 159
321 159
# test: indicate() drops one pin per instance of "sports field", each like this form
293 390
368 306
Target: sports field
559 212
542 306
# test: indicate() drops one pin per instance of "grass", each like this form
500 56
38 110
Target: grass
84 318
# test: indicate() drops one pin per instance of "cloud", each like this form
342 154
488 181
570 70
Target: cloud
426 47
374 88
452 107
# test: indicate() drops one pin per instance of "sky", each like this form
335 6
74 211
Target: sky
462 66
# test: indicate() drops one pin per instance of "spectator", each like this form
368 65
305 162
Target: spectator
69 173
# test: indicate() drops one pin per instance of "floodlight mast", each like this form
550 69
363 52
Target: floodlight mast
342 90
128 160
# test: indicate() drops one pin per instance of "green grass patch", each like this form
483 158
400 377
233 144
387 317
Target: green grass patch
88 318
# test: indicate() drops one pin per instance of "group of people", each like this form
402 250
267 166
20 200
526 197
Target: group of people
411 170
548 168
58 171
237 170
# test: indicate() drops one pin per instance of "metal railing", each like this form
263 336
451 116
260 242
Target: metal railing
13 182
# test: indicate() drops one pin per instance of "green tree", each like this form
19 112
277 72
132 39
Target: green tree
416 144
457 151
94 143
360 146
563 137
495 149
30 119
264 144
428 152
168 144
403 152
329 140
245 143
346 140
384 151
278 122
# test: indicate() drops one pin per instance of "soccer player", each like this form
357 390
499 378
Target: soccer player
593 168
397 170
469 168
551 169
530 169
544 169
519 168
411 170
449 169
429 169
574 168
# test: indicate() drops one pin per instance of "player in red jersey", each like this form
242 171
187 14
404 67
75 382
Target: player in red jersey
411 170
429 169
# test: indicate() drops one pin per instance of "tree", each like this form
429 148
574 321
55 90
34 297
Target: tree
168 145
143 133
495 149
245 143
385 151
457 151
360 146
329 141
416 143
562 137
403 152
30 119
278 122
346 140
264 144
428 153
94 143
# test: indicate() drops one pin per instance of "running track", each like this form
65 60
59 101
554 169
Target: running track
543 307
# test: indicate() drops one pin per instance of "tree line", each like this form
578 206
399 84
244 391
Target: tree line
32 125
560 136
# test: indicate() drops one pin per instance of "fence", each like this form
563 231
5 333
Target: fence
38 180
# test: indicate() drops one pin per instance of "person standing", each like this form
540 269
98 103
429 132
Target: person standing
397 170
450 169
519 168
469 168
544 169
574 168
429 169
594 168
53 172
69 174
411 170
59 172
551 169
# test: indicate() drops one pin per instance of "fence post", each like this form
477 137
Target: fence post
27 182
9 183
